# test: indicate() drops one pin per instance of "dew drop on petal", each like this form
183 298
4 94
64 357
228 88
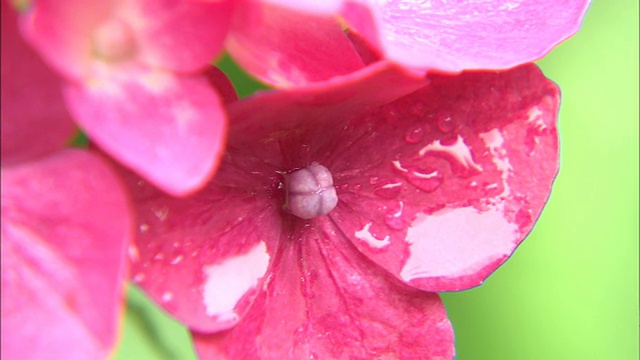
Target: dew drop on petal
138 278
388 189
167 296
310 192
444 121
457 153
160 212
176 260
425 181
414 134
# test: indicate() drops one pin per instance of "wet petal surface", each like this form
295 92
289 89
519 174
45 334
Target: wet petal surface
438 187
325 300
202 257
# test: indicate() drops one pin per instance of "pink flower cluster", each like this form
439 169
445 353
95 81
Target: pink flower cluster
408 148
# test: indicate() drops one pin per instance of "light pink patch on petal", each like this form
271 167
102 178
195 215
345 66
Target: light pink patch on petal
65 226
35 120
285 48
203 257
181 36
168 128
451 37
327 7
325 300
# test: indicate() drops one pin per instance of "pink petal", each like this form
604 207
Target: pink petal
439 187
284 47
170 129
181 35
35 120
185 244
202 257
65 226
324 300
221 82
467 166
450 37
61 30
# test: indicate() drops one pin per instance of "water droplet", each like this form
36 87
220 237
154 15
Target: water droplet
458 154
373 180
159 256
176 260
394 219
427 181
134 255
388 189
143 228
176 244
395 223
414 134
167 296
445 121
138 278
161 212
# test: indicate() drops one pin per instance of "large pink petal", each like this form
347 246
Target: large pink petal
455 177
284 47
182 35
35 120
324 300
170 129
439 187
65 226
202 257
452 37
228 224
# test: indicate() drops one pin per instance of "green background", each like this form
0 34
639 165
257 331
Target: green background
571 290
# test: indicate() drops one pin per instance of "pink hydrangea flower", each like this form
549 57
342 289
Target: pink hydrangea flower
340 208
289 43
135 81
66 221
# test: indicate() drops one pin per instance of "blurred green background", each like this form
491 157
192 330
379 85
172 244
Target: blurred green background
571 290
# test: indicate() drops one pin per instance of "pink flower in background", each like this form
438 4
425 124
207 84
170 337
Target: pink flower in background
136 82
337 206
290 43
66 221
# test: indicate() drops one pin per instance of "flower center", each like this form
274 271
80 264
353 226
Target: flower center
113 41
310 192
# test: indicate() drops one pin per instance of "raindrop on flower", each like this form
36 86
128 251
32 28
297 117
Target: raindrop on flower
414 134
